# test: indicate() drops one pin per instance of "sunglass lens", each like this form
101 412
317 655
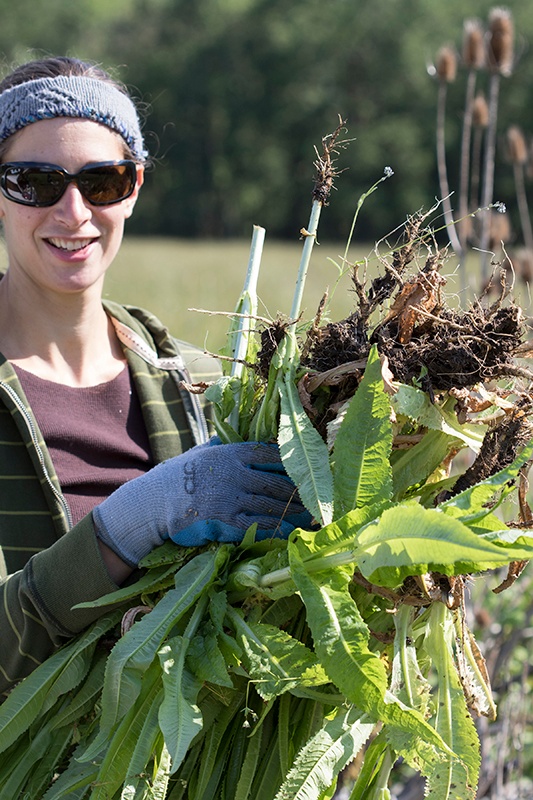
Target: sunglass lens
33 186
107 184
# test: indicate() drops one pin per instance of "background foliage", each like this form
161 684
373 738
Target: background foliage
239 92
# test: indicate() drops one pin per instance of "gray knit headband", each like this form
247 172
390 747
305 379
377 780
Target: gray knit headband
71 96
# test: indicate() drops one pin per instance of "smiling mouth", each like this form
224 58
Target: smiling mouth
70 244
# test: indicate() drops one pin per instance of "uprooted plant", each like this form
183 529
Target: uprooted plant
264 669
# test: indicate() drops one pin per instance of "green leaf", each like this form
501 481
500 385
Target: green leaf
84 700
455 779
249 766
412 467
415 404
41 772
24 704
323 757
275 661
469 505
121 744
133 654
151 581
215 746
407 681
411 540
180 719
205 659
74 782
362 472
341 643
304 453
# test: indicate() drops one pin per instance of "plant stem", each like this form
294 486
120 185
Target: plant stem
441 163
318 564
465 170
310 238
488 174
248 308
521 197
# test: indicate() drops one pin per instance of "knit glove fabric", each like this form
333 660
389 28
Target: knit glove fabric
213 492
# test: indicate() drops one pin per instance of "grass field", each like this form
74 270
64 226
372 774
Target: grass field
171 276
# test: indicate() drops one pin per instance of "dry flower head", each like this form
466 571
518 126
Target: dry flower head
446 64
473 44
501 41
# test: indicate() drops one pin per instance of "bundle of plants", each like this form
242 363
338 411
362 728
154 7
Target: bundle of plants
263 670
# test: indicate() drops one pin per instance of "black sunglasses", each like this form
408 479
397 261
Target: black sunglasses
34 184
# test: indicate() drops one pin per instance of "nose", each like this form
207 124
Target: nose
72 209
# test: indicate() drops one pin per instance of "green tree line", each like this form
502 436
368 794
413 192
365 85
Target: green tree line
238 93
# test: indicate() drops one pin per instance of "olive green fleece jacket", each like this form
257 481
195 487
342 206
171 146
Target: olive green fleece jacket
46 565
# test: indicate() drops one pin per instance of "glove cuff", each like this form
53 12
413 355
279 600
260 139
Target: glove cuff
131 520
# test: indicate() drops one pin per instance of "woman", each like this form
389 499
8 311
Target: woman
97 434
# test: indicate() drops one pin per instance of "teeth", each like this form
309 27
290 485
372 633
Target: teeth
70 244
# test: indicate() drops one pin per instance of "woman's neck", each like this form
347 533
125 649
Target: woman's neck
71 342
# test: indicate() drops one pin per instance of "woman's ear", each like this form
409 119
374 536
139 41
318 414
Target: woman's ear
129 202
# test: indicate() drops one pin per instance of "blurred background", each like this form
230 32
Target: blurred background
235 96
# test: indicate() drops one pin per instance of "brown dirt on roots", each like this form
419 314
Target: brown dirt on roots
423 339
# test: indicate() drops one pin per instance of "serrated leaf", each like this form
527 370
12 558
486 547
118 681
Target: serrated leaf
274 660
26 701
341 643
455 779
320 761
411 540
205 659
180 718
415 404
470 504
304 453
83 701
134 653
362 472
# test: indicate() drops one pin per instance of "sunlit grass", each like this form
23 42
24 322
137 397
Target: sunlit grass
170 276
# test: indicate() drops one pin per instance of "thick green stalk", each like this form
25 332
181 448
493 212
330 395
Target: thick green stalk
247 310
309 241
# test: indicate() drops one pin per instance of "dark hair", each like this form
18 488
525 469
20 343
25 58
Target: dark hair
52 67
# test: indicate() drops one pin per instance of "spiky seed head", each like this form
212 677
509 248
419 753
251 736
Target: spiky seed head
480 111
446 64
501 41
473 44
516 145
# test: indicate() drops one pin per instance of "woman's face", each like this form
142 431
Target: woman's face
67 247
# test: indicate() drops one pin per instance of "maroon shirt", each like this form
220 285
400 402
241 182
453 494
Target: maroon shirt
96 435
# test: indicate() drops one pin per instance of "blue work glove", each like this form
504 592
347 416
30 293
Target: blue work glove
213 492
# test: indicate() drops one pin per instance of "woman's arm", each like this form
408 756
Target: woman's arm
36 614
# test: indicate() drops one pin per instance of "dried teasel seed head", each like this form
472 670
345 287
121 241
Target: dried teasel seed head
473 44
516 145
480 111
446 64
501 41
